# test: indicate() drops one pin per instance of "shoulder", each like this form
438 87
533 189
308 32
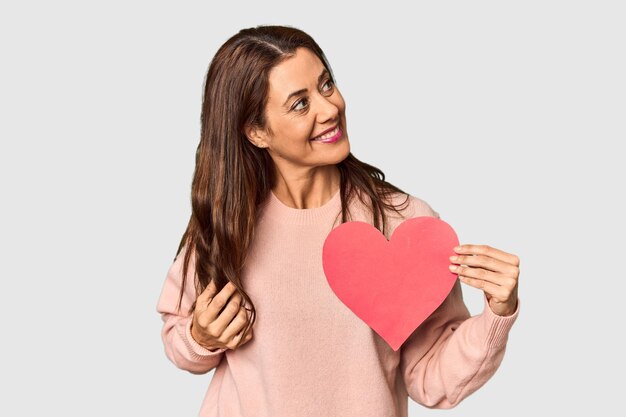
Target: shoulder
413 206
408 206
422 208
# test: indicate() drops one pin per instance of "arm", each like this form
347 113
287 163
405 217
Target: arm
180 347
451 354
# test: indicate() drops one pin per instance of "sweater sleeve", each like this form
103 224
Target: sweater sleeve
180 347
451 354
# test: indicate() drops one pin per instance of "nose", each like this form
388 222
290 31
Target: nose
327 110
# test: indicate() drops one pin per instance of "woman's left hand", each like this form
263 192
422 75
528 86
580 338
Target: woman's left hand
491 270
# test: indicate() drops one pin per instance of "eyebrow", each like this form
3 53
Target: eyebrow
304 90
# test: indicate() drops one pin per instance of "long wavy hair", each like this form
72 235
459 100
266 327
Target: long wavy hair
233 177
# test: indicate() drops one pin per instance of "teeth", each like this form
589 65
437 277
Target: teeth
328 135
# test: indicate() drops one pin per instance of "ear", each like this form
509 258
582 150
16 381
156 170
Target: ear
256 136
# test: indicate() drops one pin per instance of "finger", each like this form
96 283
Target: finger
237 325
485 262
492 289
489 251
228 313
232 343
207 294
237 338
220 301
479 273
249 335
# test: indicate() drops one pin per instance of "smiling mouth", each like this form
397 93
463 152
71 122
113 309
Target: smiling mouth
328 134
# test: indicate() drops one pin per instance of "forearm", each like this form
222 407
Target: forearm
466 353
183 350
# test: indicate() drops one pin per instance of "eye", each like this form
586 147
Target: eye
304 100
329 81
298 102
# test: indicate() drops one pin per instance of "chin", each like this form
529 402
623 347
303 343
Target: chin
342 151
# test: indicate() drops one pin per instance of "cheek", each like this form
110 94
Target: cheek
299 132
294 137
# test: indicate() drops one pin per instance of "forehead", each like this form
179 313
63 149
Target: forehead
294 73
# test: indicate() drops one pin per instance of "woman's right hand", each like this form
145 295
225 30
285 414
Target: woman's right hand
215 330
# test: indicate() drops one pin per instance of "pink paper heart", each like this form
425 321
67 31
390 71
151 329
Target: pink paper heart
392 285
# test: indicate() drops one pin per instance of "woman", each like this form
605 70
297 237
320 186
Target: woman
274 175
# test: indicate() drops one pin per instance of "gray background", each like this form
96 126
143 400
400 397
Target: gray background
506 117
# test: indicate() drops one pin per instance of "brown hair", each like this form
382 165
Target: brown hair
233 177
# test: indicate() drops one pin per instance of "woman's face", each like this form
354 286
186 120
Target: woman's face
295 119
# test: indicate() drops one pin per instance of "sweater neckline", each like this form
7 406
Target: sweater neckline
276 209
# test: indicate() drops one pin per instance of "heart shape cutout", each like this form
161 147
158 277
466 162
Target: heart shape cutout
392 285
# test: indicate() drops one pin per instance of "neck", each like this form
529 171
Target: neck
310 191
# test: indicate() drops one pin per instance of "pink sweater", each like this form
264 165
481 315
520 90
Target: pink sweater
310 355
